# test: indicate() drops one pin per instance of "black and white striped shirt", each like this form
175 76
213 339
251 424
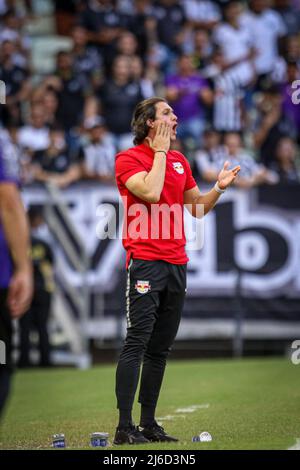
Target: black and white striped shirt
227 114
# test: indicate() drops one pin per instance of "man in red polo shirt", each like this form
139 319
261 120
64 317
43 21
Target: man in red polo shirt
155 183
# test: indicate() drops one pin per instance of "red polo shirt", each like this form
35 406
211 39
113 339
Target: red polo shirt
154 233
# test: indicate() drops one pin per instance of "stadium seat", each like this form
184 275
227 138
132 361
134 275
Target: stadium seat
44 50
42 22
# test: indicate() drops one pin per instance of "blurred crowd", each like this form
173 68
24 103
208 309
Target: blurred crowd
229 69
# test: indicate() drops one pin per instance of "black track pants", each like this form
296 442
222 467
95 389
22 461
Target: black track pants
36 317
155 296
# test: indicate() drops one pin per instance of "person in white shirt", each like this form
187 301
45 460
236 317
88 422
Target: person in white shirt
34 136
235 41
266 27
99 153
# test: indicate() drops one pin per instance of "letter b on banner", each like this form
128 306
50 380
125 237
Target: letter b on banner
2 92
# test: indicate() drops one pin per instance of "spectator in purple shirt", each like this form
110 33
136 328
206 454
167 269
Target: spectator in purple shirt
189 94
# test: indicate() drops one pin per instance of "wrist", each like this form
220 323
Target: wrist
161 151
24 267
218 189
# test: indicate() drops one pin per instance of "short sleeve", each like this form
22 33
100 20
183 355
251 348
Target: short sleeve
127 166
9 170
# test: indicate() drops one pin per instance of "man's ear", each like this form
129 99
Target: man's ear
150 123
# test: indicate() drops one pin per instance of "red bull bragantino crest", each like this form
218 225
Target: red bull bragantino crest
178 167
142 287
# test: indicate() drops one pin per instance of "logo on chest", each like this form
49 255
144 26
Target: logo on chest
178 167
142 287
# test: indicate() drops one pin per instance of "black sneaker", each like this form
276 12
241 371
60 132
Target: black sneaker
155 433
129 435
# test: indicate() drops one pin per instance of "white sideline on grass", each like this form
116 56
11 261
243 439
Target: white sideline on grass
170 417
192 408
189 409
295 446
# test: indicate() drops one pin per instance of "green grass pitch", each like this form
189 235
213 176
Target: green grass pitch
244 404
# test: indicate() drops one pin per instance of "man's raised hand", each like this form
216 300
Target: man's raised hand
226 177
162 138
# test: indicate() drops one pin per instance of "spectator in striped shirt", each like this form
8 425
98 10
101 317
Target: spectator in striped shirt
227 83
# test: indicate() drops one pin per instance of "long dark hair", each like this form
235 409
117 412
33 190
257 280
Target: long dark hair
144 110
